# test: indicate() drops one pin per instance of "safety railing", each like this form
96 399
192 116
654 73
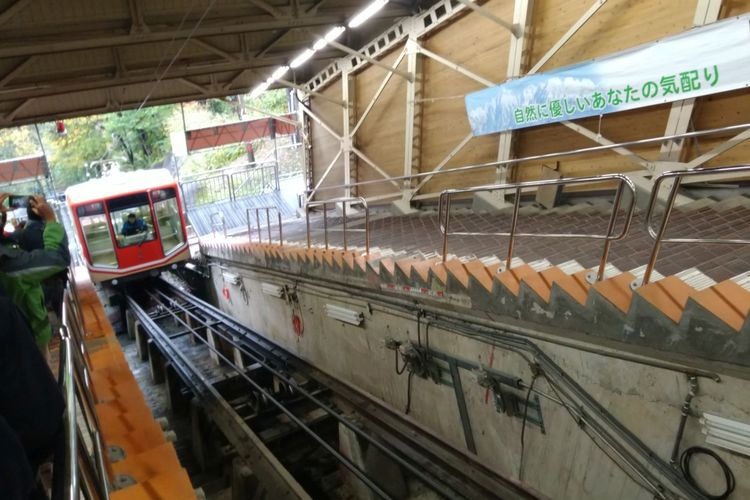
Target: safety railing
206 191
255 181
623 184
344 202
230 184
83 463
658 234
257 211
217 222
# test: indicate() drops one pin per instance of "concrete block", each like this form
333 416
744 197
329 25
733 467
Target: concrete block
178 403
156 363
706 335
245 484
402 207
141 342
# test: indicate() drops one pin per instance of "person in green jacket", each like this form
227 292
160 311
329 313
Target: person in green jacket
22 272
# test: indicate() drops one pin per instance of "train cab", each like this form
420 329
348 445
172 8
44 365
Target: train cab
130 224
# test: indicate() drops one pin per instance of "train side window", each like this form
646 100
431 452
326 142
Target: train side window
96 233
131 219
168 219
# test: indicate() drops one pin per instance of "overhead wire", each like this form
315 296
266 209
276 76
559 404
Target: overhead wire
177 55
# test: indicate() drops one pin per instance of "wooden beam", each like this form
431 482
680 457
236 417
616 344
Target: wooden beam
12 10
15 71
681 112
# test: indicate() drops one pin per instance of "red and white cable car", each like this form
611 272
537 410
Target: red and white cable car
129 224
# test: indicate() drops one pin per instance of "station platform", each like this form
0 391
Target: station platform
141 461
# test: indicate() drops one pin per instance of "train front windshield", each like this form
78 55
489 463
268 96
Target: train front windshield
131 220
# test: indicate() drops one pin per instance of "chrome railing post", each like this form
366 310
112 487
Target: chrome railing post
367 226
610 228
664 222
257 219
343 211
307 223
268 224
281 235
513 225
445 225
249 229
325 224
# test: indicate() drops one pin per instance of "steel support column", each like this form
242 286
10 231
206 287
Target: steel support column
348 121
680 115
412 129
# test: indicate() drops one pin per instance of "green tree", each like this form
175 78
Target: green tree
19 141
85 141
140 137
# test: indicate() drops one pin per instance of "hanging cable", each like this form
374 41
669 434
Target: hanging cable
687 456
408 393
176 56
523 423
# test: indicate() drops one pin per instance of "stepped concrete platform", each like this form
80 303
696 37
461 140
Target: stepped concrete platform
696 305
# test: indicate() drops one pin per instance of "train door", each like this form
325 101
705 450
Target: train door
134 229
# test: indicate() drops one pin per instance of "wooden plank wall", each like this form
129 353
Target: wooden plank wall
482 47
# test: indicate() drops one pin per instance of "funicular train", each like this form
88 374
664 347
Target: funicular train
129 225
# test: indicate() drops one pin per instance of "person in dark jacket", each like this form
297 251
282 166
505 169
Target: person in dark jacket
31 404
133 225
31 237
22 273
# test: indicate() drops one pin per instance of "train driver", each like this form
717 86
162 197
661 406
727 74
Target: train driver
133 225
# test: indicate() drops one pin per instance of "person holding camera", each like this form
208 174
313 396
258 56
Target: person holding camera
22 272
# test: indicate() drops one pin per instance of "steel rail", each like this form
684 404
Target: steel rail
658 234
346 461
247 443
238 328
544 156
623 182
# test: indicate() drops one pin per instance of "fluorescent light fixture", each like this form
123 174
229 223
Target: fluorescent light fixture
320 44
272 290
279 72
302 58
342 314
366 13
260 89
334 33
726 433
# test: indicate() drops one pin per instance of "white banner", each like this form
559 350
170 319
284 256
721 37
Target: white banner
706 60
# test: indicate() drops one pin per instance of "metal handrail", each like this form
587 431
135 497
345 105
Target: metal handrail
221 223
76 381
623 183
70 474
545 156
358 200
658 234
268 223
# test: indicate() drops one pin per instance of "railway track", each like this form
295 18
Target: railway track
285 419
